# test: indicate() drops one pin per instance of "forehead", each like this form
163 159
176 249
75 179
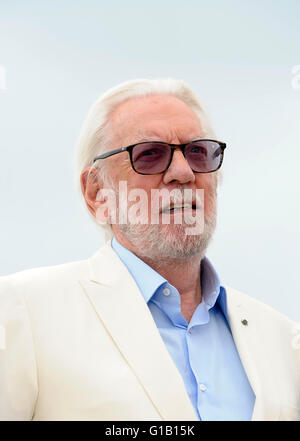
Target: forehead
160 117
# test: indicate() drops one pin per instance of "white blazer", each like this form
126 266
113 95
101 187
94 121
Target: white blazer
78 342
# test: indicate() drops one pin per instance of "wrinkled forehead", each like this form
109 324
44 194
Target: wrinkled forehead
161 117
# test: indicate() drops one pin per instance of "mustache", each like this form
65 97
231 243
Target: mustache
161 200
183 199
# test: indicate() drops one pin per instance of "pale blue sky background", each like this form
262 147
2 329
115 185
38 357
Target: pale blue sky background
236 55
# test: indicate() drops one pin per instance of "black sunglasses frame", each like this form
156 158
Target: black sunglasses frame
182 147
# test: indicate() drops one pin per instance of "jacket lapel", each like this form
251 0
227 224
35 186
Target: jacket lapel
123 311
249 338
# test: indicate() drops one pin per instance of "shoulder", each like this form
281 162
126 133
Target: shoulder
262 311
42 280
58 281
46 272
273 330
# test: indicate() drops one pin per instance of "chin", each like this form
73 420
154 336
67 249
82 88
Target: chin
168 242
176 244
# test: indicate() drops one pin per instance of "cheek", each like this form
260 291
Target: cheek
146 183
143 184
207 183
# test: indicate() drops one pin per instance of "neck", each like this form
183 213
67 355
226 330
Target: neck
183 274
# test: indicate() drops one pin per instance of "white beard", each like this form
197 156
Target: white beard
161 242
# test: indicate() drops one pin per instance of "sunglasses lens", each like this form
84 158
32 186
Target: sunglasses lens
203 156
150 158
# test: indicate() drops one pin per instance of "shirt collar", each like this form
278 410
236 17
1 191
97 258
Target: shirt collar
210 283
149 280
145 277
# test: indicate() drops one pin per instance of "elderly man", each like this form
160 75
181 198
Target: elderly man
143 330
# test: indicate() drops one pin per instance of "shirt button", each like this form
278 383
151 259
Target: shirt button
190 330
166 292
202 387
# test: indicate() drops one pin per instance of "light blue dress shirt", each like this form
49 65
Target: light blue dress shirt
203 349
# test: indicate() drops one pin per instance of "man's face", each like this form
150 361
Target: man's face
160 118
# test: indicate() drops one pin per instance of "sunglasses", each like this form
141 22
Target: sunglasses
154 157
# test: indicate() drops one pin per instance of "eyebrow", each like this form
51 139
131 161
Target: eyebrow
152 136
146 136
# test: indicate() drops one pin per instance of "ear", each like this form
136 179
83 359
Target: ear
91 183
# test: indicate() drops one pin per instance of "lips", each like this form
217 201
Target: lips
178 207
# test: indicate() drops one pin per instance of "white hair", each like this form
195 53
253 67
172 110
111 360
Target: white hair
94 134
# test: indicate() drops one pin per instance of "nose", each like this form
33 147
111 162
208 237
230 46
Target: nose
179 170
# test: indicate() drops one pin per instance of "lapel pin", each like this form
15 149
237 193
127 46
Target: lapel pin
244 322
